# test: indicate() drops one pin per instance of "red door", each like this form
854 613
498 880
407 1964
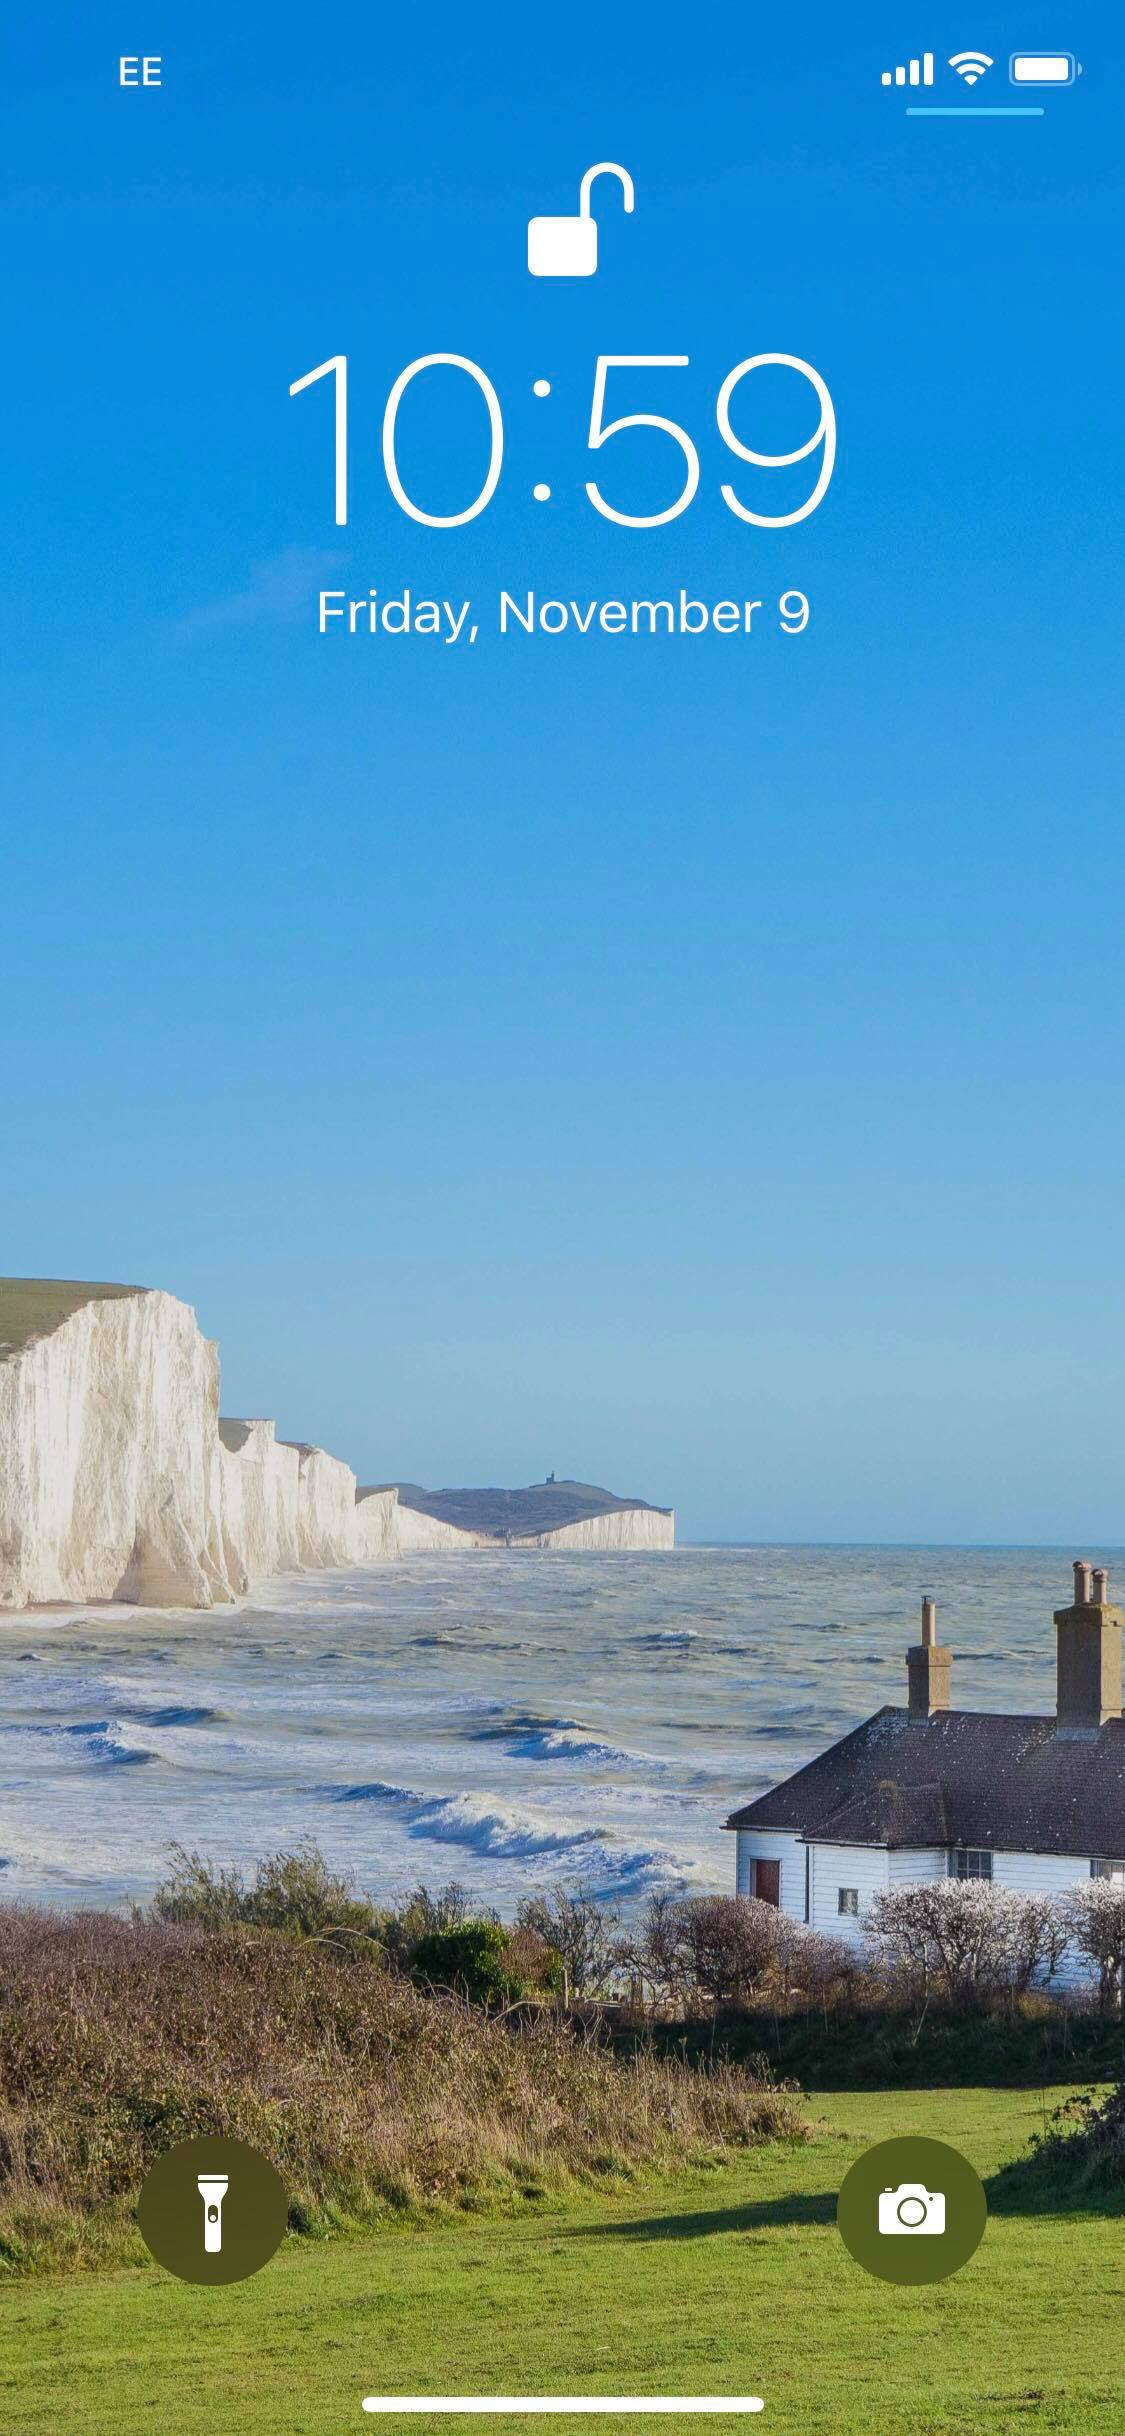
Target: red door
766 1883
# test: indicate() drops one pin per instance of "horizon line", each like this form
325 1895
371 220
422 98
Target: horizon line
1027 1547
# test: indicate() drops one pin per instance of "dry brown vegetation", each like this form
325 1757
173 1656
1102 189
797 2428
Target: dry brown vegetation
119 2038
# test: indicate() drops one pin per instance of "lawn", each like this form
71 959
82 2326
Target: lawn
733 2281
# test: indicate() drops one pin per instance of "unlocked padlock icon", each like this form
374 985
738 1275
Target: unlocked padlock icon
568 248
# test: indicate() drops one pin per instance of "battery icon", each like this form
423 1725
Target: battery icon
1043 68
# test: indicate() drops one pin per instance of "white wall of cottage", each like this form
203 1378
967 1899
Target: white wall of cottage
812 1876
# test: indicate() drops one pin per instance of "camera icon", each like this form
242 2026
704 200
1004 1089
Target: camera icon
911 2209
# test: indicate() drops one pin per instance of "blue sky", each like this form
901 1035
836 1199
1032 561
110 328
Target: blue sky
693 1064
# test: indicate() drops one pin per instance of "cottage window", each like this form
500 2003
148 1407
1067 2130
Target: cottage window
1108 1869
967 1862
847 1900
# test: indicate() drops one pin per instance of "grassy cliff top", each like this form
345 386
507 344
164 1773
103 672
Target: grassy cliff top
36 1306
546 1506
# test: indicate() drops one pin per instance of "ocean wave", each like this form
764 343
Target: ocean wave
174 1716
106 1739
485 1825
503 1833
574 1742
682 1638
134 1738
377 1792
642 1868
528 1735
520 1721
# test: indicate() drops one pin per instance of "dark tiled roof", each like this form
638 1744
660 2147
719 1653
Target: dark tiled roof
1012 1784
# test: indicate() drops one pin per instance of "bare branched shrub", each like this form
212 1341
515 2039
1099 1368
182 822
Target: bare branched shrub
1096 1916
729 1942
662 1956
1040 1939
967 1940
653 1952
725 1949
820 1969
714 1947
583 1933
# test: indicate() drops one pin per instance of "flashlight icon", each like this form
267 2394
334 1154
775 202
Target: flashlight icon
212 2189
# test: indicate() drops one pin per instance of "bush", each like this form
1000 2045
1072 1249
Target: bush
821 1970
534 1965
726 1949
728 1943
474 1959
1097 1925
296 1894
118 2039
966 1939
422 1914
293 1892
1083 2152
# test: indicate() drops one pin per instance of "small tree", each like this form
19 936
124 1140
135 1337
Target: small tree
654 1951
1097 1921
581 1930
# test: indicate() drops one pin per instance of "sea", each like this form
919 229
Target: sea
511 1721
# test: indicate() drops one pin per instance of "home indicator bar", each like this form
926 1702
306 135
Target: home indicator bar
562 2404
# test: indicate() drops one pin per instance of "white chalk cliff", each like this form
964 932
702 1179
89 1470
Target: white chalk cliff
119 1480
376 1534
110 1462
631 1528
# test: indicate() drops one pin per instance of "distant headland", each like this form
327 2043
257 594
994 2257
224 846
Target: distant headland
551 1514
120 1480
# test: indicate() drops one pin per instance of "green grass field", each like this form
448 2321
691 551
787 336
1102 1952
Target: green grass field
734 2281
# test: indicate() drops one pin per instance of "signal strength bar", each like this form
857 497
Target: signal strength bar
916 72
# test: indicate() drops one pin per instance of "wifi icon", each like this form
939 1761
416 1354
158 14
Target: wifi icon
970 65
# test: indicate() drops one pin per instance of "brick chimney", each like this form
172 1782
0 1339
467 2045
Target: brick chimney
929 1669
1089 1654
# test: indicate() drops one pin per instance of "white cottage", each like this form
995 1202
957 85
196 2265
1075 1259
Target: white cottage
929 1791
